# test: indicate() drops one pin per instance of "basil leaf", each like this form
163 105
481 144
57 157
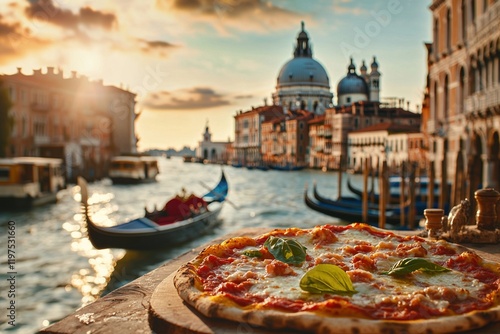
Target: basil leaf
252 253
286 250
411 264
326 278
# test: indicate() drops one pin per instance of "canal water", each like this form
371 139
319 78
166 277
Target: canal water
58 271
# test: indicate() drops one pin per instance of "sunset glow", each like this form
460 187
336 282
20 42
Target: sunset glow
198 61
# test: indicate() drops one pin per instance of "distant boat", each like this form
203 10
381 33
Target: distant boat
287 167
29 181
181 220
133 169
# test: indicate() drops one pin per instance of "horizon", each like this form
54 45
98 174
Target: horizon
199 63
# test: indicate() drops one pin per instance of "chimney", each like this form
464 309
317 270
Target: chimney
50 70
19 70
73 74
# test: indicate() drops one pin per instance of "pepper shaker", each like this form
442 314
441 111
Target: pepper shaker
486 215
433 223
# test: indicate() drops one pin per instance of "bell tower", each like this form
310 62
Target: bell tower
374 81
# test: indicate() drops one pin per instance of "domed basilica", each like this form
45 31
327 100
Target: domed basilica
303 82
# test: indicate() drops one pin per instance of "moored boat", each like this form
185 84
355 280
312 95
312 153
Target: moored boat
351 210
182 219
29 181
287 167
421 189
133 169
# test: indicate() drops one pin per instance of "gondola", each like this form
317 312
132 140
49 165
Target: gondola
169 229
351 210
347 201
394 190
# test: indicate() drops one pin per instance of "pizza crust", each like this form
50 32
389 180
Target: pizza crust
187 284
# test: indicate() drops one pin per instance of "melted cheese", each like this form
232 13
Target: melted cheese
431 290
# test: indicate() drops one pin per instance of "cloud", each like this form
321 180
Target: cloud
45 10
45 26
16 40
185 99
227 15
155 46
346 7
243 97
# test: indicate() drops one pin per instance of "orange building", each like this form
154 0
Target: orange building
285 139
83 122
248 133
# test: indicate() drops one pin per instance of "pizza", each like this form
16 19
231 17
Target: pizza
343 279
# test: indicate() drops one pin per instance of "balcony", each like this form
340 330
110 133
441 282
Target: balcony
482 100
41 140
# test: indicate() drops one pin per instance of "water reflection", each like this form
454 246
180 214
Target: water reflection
92 281
60 271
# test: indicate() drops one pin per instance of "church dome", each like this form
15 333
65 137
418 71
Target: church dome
352 83
302 82
303 71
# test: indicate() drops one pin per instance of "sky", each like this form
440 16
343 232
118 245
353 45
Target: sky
198 62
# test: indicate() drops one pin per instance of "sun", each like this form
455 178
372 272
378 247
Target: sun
87 61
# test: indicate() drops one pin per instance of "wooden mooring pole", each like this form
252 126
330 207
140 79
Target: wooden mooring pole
339 180
414 187
382 184
366 171
402 196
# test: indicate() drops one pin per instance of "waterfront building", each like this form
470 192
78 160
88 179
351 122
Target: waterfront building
285 139
248 133
342 120
303 82
463 120
80 121
320 145
212 151
385 141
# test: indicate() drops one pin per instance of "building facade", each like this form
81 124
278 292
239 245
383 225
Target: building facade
463 121
385 141
331 146
80 121
212 151
285 139
248 133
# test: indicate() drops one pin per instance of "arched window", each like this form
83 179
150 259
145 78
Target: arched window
448 30
436 39
473 11
461 92
479 76
446 108
498 61
464 21
435 108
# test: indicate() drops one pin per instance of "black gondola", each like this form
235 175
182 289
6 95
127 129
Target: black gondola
351 210
145 234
